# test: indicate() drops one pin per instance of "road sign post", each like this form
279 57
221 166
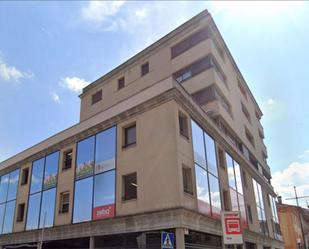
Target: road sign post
231 228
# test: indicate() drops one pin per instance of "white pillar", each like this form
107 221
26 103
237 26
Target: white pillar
180 238
91 242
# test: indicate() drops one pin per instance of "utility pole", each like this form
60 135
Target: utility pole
299 213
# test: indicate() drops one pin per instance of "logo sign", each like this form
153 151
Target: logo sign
167 240
103 212
232 230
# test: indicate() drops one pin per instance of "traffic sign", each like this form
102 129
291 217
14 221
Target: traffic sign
167 240
231 226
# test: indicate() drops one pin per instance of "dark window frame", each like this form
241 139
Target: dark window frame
65 204
183 122
126 139
187 179
21 208
65 164
24 176
96 97
121 83
129 182
145 68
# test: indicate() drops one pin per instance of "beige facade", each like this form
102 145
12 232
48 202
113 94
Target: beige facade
153 102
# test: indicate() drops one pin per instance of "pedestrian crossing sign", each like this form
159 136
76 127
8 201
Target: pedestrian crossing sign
167 240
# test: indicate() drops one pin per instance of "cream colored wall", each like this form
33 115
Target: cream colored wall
153 158
65 183
22 197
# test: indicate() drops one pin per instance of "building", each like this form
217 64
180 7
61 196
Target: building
294 224
165 141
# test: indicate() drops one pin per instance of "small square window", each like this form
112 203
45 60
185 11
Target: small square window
64 202
96 97
145 68
67 160
129 187
121 83
129 136
24 176
183 125
20 212
187 180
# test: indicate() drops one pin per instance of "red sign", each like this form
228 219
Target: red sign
232 230
103 212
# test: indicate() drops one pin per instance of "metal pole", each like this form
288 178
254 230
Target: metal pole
300 220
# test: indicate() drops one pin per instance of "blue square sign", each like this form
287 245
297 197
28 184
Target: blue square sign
167 240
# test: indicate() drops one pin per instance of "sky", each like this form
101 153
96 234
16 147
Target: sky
49 51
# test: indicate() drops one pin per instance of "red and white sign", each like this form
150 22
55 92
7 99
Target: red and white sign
231 226
103 212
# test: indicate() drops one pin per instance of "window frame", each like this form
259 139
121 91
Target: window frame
64 159
96 97
125 195
62 203
145 68
187 177
121 83
125 131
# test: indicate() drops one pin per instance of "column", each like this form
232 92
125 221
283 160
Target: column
180 238
91 242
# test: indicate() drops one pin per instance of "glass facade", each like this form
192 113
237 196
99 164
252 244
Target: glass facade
8 192
236 188
260 207
206 172
275 219
94 195
42 199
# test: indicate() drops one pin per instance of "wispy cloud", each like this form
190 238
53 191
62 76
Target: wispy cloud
74 83
8 72
305 154
55 97
296 174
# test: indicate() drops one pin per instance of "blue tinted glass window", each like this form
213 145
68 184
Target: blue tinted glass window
85 158
51 170
215 195
48 208
104 189
4 183
211 154
9 217
13 184
2 209
198 145
202 190
230 171
238 177
83 200
33 211
37 175
105 150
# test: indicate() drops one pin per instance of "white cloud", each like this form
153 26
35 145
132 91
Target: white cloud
273 109
74 83
296 174
8 73
99 12
55 97
304 154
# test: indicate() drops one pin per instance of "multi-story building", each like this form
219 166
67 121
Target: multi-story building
165 141
294 224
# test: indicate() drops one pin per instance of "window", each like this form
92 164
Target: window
145 68
275 220
129 135
207 182
187 180
64 202
244 177
260 207
42 196
226 200
96 97
121 83
85 158
249 213
183 125
24 176
67 159
20 212
130 187
190 42
242 88
83 200
245 112
8 191
250 137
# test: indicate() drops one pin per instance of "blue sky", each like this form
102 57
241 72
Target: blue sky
50 50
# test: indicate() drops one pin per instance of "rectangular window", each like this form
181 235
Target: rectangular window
244 177
67 159
64 202
105 150
129 187
249 213
211 154
33 211
48 208
249 137
214 196
24 176
145 69
96 97
245 112
121 83
129 135
83 200
183 125
260 207
37 175
20 212
187 180
8 217
51 170
202 190
85 158
226 200
242 89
